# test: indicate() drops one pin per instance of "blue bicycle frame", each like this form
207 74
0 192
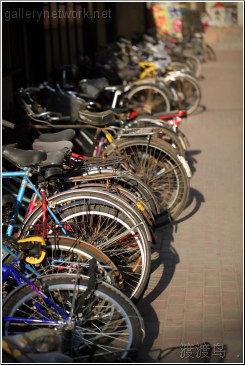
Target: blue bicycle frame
25 180
25 175
9 270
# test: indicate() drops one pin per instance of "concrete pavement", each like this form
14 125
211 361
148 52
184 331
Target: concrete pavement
195 293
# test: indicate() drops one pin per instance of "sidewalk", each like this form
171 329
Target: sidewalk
226 38
195 292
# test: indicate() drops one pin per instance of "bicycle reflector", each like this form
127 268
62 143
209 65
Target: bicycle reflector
34 249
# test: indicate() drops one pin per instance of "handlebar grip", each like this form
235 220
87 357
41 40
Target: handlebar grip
32 89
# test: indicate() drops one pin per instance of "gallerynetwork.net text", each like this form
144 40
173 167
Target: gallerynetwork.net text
21 13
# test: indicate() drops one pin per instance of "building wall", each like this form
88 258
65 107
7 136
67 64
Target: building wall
131 18
101 28
226 14
230 14
31 48
240 11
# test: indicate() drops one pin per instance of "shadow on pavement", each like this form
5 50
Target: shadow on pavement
164 260
194 197
192 161
200 109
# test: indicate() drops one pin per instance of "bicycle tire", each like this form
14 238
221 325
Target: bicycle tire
186 91
194 64
210 55
174 140
63 254
167 134
183 139
97 218
187 63
117 178
98 321
145 94
173 190
134 200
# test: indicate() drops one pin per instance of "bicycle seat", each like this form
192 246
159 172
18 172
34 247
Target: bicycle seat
101 119
51 146
53 158
52 166
92 87
23 158
66 135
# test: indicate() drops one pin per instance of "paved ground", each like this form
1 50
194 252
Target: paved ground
195 293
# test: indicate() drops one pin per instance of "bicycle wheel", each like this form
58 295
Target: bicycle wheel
134 200
194 64
174 140
64 253
117 180
186 91
184 140
105 324
166 133
156 163
181 66
137 186
209 53
62 256
99 218
148 98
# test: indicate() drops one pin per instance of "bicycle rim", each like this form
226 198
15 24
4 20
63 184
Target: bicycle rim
106 324
148 99
187 93
102 222
158 166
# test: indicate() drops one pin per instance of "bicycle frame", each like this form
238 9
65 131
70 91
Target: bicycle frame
45 207
25 175
9 270
149 70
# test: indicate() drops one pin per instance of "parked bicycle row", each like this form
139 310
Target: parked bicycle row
82 193
108 214
157 68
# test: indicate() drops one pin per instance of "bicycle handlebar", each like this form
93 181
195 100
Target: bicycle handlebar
22 93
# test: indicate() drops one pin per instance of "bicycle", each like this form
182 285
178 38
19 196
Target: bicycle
81 172
91 316
151 159
34 106
162 84
97 217
97 134
182 88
